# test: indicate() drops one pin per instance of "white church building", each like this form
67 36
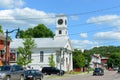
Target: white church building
60 46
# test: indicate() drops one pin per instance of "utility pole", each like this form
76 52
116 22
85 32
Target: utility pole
60 60
7 54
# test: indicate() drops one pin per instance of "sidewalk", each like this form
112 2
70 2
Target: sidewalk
82 73
66 75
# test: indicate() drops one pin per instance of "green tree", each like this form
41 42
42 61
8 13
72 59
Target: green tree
104 50
25 52
1 30
78 59
87 56
39 31
114 60
51 60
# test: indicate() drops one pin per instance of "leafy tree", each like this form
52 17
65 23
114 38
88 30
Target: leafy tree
39 31
1 30
25 52
114 60
103 50
51 60
87 56
78 59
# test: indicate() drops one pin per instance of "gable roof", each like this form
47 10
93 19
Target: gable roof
42 42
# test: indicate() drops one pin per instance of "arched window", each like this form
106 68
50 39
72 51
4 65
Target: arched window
60 32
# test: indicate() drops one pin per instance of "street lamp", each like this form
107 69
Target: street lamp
6 54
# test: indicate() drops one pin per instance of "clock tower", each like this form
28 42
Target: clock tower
61 26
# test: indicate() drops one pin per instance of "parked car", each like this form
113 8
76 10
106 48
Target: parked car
118 70
98 71
52 70
115 68
11 72
33 74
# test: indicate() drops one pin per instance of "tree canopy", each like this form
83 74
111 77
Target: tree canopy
1 30
113 51
25 52
103 50
87 58
39 31
78 59
114 60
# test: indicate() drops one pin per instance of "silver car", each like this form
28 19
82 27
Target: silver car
11 72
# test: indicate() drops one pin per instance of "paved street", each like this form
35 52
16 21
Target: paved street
109 75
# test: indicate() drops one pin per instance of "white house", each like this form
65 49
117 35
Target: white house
96 61
60 46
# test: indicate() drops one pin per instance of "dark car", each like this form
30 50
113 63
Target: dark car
118 70
33 74
98 71
11 72
52 70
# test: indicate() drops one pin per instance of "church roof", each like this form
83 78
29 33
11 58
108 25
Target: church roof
42 42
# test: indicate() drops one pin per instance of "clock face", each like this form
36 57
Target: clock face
60 21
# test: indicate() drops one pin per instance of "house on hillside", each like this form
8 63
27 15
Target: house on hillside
96 61
104 62
60 46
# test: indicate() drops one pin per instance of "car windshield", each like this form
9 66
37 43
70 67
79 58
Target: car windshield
56 68
97 69
5 68
31 72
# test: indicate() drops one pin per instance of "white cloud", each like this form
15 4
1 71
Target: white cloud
11 3
112 20
83 44
110 35
83 35
102 19
25 18
74 17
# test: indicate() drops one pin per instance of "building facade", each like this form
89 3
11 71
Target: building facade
60 46
96 61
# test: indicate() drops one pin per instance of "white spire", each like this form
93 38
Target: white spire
61 26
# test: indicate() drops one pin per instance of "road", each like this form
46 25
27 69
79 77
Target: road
108 75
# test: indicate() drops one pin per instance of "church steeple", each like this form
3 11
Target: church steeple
61 26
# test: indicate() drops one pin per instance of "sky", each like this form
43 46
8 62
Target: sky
91 23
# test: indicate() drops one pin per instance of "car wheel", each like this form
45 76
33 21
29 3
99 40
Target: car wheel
40 79
8 78
49 73
45 73
34 78
58 74
21 77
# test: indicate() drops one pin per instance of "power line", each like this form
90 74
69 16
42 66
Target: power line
94 11
93 30
95 22
83 24
92 23
27 18
82 13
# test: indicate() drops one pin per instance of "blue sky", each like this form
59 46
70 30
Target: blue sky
91 23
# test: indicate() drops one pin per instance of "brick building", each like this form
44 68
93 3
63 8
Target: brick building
3 56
